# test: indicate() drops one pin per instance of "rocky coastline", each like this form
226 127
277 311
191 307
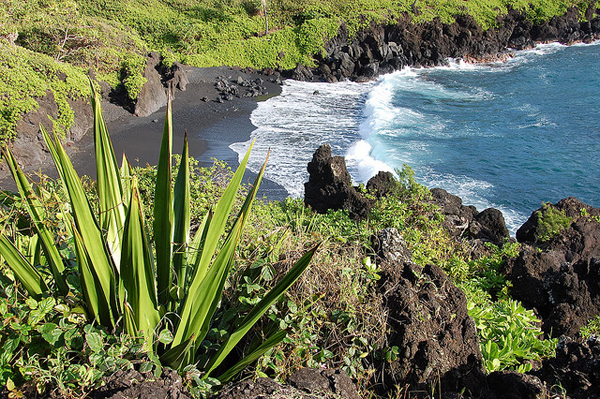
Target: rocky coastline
383 49
427 314
371 52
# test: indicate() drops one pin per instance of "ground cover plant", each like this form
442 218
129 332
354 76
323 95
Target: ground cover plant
334 315
162 294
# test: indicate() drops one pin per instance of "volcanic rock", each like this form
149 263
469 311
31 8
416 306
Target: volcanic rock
559 275
576 368
429 324
330 186
304 383
461 220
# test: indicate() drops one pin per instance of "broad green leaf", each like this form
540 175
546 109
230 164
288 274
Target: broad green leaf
137 270
94 341
23 270
163 213
165 337
37 214
258 310
181 208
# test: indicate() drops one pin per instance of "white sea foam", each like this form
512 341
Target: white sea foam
375 131
295 123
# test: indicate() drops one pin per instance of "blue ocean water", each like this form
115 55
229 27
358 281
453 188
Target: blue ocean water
506 135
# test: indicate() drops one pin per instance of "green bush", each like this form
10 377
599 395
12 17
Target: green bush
510 336
551 222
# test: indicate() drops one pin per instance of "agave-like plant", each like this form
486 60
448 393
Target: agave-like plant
123 284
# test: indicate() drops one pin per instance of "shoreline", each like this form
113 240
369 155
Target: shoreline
212 124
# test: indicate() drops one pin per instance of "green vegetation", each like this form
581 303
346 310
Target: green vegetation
169 304
43 40
334 316
591 328
552 222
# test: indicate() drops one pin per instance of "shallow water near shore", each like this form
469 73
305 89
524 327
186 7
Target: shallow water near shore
505 135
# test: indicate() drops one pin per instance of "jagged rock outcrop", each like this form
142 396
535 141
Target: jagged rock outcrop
557 271
304 383
576 368
153 95
429 323
382 49
513 385
461 220
330 187
382 184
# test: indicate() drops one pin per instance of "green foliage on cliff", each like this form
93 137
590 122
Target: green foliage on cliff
551 222
112 37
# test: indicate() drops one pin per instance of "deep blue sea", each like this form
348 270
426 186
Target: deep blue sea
506 135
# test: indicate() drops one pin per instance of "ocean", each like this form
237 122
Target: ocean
506 135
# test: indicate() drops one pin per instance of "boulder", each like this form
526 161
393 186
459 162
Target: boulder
303 384
489 225
557 271
153 95
330 187
576 368
461 220
381 184
429 323
389 246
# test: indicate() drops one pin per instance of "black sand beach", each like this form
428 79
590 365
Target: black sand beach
211 125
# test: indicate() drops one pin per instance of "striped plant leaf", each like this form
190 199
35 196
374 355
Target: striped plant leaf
23 270
215 230
181 208
91 287
110 190
87 227
203 302
163 213
137 271
37 214
259 309
252 357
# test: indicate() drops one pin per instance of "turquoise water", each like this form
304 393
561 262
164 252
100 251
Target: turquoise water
505 135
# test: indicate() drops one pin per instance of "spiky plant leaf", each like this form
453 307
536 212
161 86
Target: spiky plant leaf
203 302
181 207
87 227
259 309
252 357
163 213
110 190
37 214
137 270
23 270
